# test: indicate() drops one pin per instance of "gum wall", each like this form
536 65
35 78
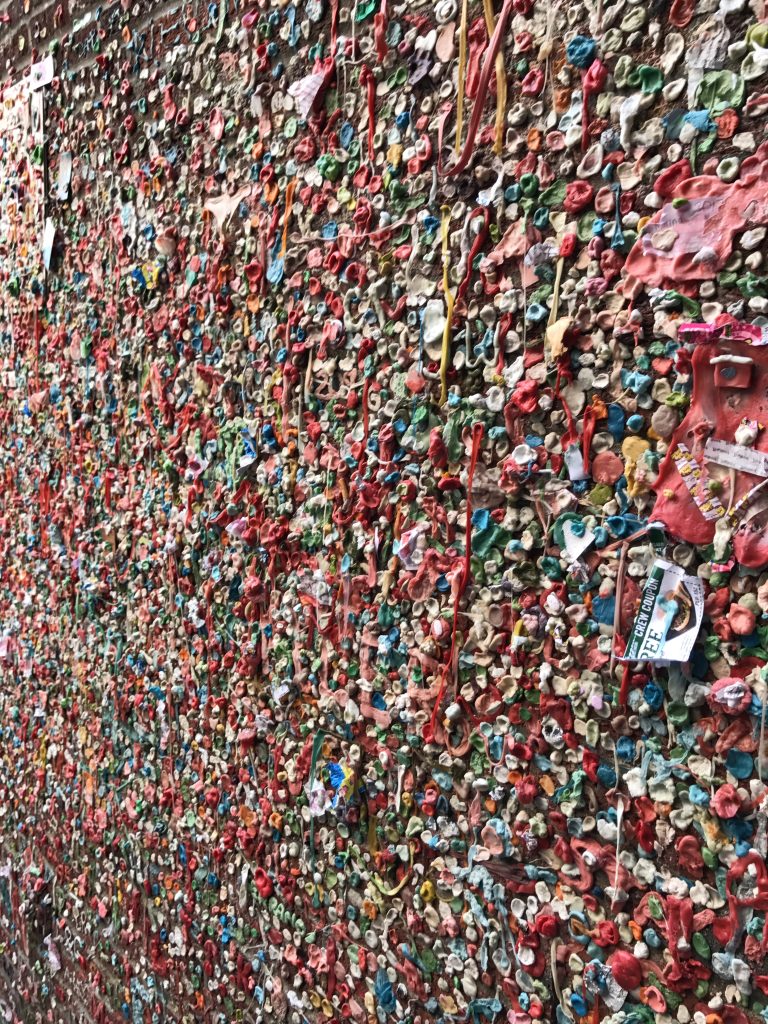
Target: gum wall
383 512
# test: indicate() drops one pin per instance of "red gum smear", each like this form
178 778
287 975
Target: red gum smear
733 214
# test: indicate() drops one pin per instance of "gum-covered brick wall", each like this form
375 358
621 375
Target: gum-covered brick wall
383 551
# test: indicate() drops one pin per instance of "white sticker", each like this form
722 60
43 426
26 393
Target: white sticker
736 456
65 177
49 237
41 74
37 115
575 544
574 463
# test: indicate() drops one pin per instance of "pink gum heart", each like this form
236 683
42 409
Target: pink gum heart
716 411
704 228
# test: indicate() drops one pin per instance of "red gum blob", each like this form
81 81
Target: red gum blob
671 178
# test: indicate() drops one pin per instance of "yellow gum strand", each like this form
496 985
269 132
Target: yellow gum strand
501 79
287 216
462 75
556 292
449 299
381 885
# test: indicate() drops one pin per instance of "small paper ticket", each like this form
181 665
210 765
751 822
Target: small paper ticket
736 456
669 616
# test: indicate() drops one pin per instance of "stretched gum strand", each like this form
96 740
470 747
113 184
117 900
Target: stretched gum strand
462 75
501 80
482 90
450 300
